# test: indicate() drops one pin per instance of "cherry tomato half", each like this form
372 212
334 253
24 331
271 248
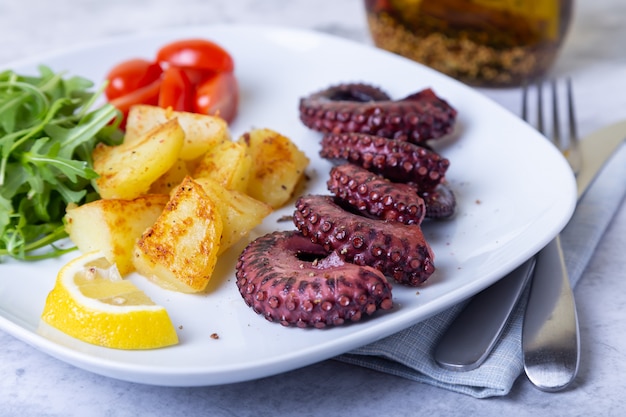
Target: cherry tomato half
196 53
148 94
218 95
130 75
177 90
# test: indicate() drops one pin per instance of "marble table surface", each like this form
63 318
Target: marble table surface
34 384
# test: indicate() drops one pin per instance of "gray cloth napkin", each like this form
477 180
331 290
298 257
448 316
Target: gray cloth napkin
409 353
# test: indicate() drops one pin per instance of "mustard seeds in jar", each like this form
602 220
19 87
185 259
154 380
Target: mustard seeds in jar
487 43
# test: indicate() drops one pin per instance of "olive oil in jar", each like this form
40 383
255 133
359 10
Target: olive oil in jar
487 43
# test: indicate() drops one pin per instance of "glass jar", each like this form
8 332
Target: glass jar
486 43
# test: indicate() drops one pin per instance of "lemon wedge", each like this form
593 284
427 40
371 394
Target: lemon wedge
91 302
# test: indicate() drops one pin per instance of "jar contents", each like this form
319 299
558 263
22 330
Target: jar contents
487 43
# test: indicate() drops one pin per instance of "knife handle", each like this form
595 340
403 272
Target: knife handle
472 335
550 336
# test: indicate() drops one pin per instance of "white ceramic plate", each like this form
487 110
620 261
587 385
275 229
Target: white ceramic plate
514 191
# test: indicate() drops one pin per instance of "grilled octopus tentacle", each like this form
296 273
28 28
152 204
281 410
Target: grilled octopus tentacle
398 250
288 279
376 196
358 107
440 202
396 160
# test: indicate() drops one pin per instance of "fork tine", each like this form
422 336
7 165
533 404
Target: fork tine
572 154
570 148
556 122
540 126
525 102
570 111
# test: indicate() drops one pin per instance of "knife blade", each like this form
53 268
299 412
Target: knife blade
455 349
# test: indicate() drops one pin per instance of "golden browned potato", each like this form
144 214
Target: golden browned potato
171 179
240 213
127 171
277 166
228 163
113 226
179 251
202 132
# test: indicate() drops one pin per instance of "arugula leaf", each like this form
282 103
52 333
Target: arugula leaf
48 131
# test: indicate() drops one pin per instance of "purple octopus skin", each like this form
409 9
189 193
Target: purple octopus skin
376 196
361 108
398 250
440 202
288 279
394 159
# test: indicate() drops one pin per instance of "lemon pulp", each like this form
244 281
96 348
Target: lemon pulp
91 302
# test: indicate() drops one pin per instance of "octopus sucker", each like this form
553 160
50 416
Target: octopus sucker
417 118
310 287
394 159
398 250
376 196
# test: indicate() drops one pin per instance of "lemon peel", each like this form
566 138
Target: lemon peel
91 302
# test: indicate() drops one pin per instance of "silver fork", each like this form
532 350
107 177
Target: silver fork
568 144
550 336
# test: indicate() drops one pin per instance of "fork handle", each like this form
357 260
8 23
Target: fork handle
550 336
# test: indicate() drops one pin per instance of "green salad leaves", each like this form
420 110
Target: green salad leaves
48 131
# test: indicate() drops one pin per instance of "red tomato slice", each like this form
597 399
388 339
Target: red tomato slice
130 75
196 53
177 91
148 94
198 76
218 95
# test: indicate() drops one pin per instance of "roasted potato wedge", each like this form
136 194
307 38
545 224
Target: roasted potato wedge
127 171
202 132
171 179
277 166
227 163
240 213
179 251
113 226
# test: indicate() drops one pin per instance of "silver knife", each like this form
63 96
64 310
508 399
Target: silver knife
458 351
